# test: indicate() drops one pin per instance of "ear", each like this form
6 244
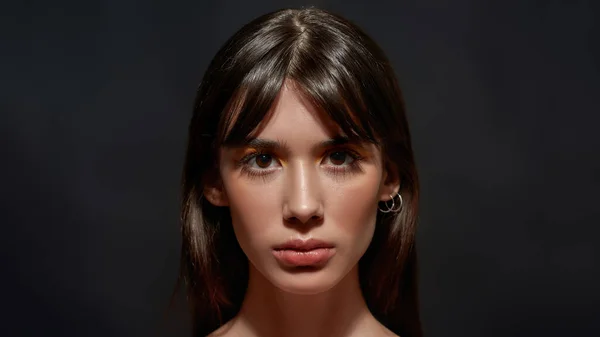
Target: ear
216 196
214 192
390 184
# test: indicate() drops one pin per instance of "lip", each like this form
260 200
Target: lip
304 245
304 253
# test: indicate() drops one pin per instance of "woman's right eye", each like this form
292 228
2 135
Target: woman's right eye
258 164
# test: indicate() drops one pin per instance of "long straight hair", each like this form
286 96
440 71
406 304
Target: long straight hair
344 74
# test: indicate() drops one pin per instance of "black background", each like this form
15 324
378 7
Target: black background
503 104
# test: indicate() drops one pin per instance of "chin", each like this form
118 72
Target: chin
305 282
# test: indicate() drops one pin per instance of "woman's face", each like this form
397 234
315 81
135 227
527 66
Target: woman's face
300 180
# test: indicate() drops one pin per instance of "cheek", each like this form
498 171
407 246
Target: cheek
353 209
254 209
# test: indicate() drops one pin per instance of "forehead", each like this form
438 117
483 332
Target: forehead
294 118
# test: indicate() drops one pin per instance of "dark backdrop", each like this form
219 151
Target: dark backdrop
503 104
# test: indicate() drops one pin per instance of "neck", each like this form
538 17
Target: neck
338 312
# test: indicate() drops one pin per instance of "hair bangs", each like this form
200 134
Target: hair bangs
339 104
321 66
334 81
264 64
250 106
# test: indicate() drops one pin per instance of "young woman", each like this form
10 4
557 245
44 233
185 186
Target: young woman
300 192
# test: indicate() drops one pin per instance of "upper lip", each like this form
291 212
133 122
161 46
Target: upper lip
299 244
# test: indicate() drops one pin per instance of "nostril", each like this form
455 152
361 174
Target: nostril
300 221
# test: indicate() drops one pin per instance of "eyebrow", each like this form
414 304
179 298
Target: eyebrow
273 145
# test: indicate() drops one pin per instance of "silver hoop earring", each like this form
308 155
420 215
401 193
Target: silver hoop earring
388 209
396 210
393 208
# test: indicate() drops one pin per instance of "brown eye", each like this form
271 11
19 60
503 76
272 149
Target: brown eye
263 160
338 157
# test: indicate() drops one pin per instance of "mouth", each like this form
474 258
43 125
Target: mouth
304 253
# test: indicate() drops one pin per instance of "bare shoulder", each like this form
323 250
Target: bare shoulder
388 333
385 332
224 331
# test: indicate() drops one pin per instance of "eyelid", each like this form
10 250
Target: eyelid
353 153
246 159
251 155
254 152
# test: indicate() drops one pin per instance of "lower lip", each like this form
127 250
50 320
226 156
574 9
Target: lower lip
304 258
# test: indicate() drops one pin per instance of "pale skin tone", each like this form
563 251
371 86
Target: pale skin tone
298 183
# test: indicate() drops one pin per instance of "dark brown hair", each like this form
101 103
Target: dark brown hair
344 74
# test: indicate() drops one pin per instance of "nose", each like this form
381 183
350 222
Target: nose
303 203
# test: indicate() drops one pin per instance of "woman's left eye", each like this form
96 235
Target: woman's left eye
263 160
339 158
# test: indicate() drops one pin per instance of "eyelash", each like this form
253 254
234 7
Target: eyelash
339 171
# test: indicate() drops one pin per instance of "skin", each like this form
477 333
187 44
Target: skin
301 190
